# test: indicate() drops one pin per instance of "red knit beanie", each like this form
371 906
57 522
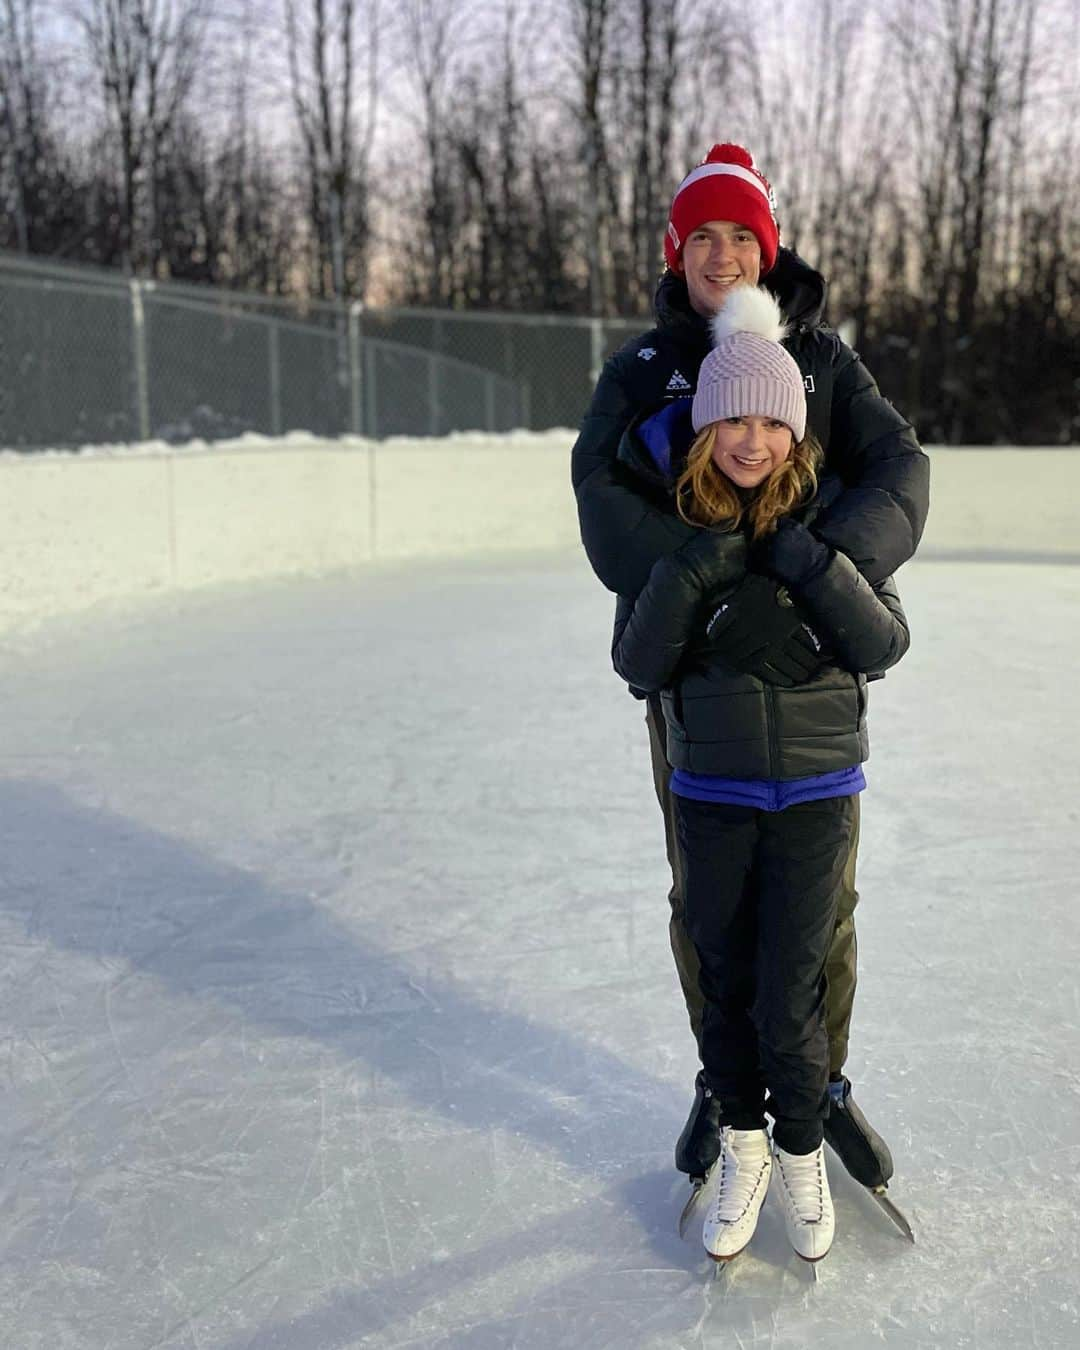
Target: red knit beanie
724 186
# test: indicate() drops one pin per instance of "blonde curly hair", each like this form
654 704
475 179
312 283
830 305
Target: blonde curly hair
704 495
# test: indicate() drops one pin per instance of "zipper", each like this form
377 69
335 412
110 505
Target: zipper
783 598
770 718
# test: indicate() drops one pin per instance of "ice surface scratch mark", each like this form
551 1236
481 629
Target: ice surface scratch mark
45 1058
48 1129
956 1171
353 1248
138 963
515 1315
323 1185
266 1102
509 1061
698 1329
439 1062
185 1323
317 1149
253 1119
380 1200
419 989
774 1325
136 1095
481 1220
267 1318
423 1339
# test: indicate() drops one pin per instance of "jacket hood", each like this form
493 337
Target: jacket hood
800 289
655 443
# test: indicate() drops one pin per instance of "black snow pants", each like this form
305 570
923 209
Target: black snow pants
761 895
840 969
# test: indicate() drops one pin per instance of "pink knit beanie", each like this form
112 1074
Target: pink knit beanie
748 373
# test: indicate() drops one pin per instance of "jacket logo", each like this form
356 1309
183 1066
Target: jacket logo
678 384
647 353
718 615
808 380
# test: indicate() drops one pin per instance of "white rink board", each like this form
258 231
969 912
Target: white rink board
121 524
1016 501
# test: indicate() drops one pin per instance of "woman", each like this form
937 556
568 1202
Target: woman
765 778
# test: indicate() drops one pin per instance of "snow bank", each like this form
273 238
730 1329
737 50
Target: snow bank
123 522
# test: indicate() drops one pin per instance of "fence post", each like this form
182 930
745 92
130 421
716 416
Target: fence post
508 353
489 400
138 343
275 377
596 333
433 394
356 388
371 406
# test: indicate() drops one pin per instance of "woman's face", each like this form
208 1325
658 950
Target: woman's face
748 449
717 256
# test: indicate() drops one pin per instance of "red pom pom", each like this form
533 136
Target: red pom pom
729 154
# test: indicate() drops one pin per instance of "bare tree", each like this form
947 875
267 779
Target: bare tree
34 173
653 77
591 39
19 89
145 54
432 35
973 59
333 68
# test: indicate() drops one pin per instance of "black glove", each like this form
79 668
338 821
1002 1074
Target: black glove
756 630
792 554
713 558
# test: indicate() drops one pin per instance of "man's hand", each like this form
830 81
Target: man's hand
792 554
756 630
713 559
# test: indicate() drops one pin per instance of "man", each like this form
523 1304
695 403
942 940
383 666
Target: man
722 233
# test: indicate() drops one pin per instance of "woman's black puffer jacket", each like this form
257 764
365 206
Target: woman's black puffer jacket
734 725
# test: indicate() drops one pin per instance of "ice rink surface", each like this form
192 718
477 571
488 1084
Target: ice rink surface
338 1011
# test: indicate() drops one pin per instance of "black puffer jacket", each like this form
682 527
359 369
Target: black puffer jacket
721 722
877 521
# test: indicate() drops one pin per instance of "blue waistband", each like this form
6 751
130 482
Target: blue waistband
768 794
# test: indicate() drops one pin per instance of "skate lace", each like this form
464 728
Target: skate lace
804 1185
739 1178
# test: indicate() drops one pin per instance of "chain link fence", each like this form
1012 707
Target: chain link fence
87 356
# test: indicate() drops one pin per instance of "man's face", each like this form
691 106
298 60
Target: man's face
718 255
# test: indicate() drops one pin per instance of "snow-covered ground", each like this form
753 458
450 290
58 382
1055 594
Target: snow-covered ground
338 1009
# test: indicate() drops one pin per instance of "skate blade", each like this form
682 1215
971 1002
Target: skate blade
722 1267
880 1194
692 1207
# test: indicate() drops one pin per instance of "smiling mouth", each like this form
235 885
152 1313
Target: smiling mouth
749 463
721 281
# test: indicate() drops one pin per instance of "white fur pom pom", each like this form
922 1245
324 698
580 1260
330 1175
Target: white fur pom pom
749 309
